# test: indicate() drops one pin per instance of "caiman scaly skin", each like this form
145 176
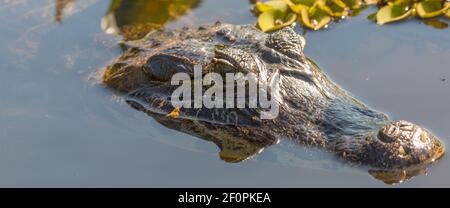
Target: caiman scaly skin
313 110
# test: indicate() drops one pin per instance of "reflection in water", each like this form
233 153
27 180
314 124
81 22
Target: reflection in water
60 6
134 19
236 143
392 177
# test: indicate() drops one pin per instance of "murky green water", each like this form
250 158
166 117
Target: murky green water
60 127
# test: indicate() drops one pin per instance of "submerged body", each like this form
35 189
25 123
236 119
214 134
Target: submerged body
313 110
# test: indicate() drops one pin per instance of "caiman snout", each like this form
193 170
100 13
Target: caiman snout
407 147
403 145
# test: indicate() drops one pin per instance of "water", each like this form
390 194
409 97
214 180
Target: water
60 127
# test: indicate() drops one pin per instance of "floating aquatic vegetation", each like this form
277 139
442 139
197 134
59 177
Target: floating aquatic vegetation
395 10
317 14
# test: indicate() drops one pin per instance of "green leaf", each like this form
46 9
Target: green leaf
370 2
266 20
274 19
297 8
334 10
304 2
432 8
447 13
392 13
326 9
354 4
279 5
316 19
340 3
356 12
261 7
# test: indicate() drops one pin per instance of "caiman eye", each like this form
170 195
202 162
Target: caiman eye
164 66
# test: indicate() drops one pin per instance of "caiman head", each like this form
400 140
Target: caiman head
306 98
